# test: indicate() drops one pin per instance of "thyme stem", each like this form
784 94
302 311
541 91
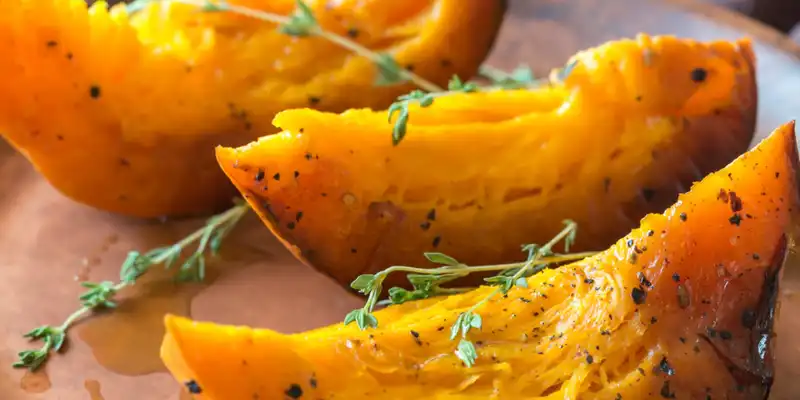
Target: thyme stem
102 295
316 30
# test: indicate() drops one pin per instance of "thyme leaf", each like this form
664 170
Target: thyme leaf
301 23
390 72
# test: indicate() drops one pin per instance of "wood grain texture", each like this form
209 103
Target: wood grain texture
46 241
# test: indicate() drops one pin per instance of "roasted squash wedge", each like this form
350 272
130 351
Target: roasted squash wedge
634 123
122 112
682 307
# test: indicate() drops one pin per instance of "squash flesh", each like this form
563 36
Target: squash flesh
699 326
614 141
170 83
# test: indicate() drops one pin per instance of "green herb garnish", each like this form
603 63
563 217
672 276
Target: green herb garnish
428 283
100 295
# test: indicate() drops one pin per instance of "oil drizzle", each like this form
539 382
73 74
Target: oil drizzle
127 339
35 382
93 387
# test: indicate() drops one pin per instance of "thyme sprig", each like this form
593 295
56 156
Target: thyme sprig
428 283
101 295
303 23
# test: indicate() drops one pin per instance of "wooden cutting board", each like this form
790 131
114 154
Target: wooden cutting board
48 243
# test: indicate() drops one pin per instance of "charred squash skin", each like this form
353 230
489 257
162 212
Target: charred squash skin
682 307
634 124
122 112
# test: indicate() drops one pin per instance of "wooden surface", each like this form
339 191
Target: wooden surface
48 243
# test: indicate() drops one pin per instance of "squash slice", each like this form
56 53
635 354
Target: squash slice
122 112
634 123
682 307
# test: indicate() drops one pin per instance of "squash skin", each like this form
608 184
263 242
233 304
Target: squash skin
122 112
347 202
700 325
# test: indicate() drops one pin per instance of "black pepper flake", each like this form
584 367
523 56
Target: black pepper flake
52 43
648 194
748 319
618 397
425 225
290 225
666 392
653 320
736 202
432 215
296 174
711 332
313 381
277 176
651 232
723 196
588 280
446 63
353 250
352 33
699 75
606 184
294 391
682 216
94 91
193 387
308 156
69 56
756 256
643 280
589 359
735 219
313 100
638 295
639 98
676 277
124 162
299 216
436 241
260 175
415 334
725 335
665 367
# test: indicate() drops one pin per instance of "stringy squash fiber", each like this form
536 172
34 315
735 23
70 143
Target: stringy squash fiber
122 112
633 124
